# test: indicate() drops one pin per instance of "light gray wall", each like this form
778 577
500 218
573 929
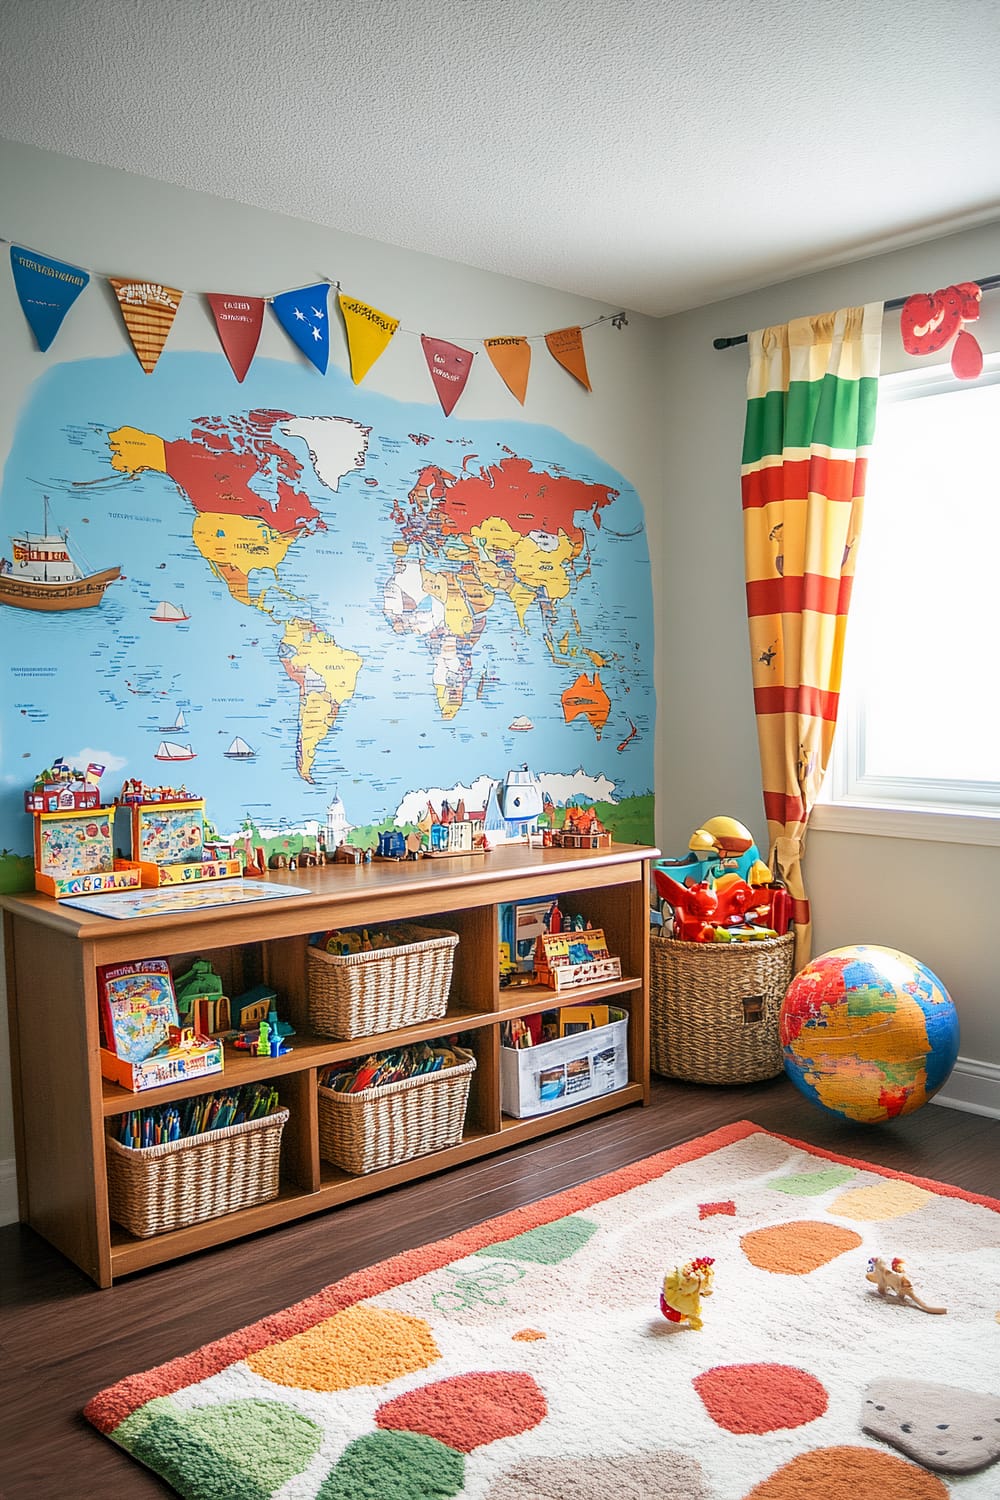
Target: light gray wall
936 901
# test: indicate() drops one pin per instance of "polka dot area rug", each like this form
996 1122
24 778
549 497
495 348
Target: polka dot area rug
740 1318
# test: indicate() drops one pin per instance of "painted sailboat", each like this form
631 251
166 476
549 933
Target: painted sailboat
177 727
239 750
166 613
42 573
171 750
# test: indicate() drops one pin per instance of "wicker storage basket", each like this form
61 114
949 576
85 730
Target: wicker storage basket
199 1177
360 994
714 1008
380 1127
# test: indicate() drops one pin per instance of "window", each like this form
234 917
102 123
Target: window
917 749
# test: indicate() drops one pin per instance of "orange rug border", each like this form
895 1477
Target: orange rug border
111 1406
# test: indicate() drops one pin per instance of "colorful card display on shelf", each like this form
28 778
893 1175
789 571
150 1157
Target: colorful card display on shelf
144 1044
568 959
185 1055
74 854
138 1007
168 844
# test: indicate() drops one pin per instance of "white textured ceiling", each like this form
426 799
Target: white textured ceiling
651 154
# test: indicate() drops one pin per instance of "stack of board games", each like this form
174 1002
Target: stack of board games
144 1045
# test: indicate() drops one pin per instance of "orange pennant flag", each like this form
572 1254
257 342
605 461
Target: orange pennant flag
566 348
149 310
511 358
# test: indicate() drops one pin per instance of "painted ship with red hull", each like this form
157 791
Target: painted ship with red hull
42 574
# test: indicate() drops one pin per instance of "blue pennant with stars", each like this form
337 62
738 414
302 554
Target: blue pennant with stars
302 314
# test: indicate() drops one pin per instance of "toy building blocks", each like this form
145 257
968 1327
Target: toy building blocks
201 1003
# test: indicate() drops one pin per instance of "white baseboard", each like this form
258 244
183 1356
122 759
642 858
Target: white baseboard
973 1086
8 1191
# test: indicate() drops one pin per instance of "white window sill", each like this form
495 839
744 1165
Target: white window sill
939 825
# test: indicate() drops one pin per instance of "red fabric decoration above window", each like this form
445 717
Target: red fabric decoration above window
929 320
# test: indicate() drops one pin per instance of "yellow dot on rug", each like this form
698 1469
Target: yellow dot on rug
528 1335
881 1200
797 1247
359 1346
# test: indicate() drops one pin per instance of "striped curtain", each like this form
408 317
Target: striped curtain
812 391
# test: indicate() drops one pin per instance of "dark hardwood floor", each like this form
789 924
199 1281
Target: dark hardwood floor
62 1340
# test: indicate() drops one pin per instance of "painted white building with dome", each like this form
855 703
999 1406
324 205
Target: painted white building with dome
337 826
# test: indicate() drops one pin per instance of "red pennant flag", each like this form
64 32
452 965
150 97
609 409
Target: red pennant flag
449 366
238 321
566 348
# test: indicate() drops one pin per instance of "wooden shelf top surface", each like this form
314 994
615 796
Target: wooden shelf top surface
426 882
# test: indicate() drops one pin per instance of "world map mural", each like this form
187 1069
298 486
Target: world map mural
321 593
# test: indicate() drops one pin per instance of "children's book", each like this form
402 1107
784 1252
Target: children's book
138 1007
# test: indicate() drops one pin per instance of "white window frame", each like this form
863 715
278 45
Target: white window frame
955 812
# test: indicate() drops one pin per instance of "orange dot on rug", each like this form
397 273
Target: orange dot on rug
798 1247
760 1397
832 1473
359 1346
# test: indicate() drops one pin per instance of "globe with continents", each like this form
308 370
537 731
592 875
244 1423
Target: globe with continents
868 1033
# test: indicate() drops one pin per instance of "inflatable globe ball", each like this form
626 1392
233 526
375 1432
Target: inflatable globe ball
868 1033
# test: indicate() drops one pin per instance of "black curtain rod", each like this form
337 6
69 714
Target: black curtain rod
985 283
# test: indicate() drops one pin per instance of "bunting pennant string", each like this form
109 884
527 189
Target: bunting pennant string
47 289
238 321
149 309
302 314
511 358
449 366
368 333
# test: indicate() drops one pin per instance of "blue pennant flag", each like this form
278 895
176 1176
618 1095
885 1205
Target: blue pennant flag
302 314
47 290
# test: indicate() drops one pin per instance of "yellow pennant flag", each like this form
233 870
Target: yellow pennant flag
368 334
149 310
566 348
511 358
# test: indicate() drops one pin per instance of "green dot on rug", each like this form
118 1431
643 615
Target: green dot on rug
811 1184
247 1448
547 1245
395 1466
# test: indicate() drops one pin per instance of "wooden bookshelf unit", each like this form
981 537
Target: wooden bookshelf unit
61 1102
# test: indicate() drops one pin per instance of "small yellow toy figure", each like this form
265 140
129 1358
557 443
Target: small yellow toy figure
683 1289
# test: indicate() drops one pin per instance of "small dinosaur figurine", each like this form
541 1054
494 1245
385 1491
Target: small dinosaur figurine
892 1279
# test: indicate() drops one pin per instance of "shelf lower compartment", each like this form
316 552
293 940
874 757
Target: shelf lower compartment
309 1051
129 1254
